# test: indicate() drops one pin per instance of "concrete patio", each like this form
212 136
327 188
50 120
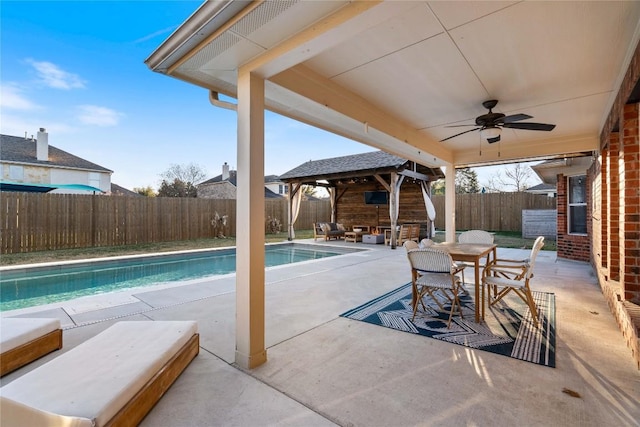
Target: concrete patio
326 370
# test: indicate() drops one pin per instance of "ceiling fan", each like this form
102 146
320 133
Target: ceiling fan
490 124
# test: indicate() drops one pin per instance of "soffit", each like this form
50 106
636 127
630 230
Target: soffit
394 75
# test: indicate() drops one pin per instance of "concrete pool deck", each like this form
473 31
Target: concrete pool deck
326 370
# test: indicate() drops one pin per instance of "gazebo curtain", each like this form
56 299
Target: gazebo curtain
332 199
295 196
426 195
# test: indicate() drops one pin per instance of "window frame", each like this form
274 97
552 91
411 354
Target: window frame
571 204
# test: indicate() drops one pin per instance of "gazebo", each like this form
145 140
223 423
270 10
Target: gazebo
362 185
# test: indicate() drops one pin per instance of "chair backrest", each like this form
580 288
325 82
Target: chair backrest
410 245
537 245
476 236
425 243
430 260
405 232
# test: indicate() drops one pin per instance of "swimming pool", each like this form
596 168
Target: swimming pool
28 287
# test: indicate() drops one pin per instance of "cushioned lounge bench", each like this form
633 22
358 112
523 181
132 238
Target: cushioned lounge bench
24 340
328 230
114 378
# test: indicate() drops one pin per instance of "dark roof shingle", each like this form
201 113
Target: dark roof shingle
351 163
23 150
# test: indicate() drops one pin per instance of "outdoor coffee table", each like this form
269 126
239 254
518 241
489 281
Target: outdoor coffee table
470 252
352 236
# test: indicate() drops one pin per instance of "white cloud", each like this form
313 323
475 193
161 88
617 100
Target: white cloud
53 76
98 116
156 34
13 99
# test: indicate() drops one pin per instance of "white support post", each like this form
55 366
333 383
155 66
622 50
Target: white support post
250 230
450 203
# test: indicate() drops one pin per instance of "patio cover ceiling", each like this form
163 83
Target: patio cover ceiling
394 75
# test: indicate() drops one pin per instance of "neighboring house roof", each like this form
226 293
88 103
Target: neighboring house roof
542 188
272 179
233 176
23 150
121 191
550 169
372 161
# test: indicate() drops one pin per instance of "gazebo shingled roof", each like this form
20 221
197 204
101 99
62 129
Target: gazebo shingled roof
353 165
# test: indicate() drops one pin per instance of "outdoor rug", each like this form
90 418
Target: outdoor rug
508 328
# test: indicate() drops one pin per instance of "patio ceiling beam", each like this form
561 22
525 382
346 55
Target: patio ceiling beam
313 86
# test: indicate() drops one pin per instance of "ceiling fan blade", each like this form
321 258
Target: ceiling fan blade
492 140
530 126
459 126
458 134
515 118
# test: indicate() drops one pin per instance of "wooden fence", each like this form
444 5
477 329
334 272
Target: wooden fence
492 211
35 222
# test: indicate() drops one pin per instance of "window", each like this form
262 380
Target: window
283 189
577 220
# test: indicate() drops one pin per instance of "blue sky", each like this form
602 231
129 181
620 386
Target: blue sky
77 69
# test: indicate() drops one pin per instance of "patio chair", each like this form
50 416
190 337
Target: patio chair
406 232
472 236
504 276
431 271
513 268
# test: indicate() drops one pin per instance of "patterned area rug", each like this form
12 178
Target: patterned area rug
508 328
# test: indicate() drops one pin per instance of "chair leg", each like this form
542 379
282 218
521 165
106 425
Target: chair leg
456 302
532 307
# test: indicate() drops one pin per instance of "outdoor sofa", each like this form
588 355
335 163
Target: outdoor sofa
114 378
27 339
328 230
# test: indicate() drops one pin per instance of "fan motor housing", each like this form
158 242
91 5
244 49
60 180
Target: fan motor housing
489 119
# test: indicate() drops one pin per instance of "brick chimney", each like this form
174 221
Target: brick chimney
225 172
42 145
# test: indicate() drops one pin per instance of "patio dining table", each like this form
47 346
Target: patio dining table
471 252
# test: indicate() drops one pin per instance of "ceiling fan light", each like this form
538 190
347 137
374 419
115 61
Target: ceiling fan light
490 133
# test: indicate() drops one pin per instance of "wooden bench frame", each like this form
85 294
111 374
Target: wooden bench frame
130 413
141 404
26 353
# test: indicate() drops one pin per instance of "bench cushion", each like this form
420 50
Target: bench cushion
17 330
97 378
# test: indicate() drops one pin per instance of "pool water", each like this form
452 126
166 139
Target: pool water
28 287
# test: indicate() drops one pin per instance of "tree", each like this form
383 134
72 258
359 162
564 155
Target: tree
181 180
177 188
189 174
517 177
145 191
308 191
466 181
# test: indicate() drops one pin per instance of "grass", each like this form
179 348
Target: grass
502 239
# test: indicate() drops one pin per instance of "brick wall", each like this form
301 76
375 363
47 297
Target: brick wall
630 211
618 207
